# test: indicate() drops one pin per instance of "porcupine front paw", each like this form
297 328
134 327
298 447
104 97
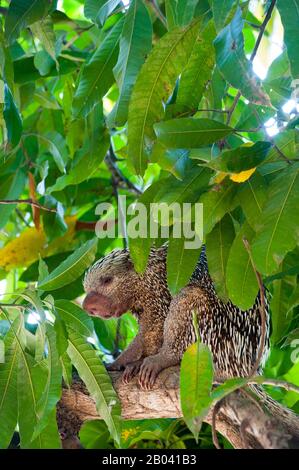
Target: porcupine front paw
131 371
149 371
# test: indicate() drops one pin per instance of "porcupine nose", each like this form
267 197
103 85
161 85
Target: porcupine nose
90 303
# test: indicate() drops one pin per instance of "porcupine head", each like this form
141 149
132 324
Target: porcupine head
110 285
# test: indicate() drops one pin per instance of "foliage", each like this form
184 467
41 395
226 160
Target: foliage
160 102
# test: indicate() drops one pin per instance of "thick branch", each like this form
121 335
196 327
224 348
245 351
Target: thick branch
239 418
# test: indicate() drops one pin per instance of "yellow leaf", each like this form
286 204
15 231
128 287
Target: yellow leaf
220 177
243 176
25 249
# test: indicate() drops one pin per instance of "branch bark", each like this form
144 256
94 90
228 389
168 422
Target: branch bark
242 421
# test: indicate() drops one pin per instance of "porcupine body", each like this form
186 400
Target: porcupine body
166 326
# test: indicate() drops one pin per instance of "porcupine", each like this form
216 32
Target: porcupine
166 326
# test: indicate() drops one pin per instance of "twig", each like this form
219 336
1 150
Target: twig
27 201
262 30
262 309
233 107
253 54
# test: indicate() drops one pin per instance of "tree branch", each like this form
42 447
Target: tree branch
239 419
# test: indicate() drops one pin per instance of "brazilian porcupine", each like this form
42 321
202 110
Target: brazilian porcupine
166 326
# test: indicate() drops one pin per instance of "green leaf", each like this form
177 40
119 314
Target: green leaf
179 12
40 342
216 204
154 85
53 222
25 70
106 10
217 89
12 188
32 272
241 280
228 387
189 189
289 13
233 64
8 385
175 161
278 231
92 8
135 44
285 142
31 383
293 335
136 430
22 13
241 158
31 379
196 379
97 75
89 160
71 268
222 10
94 435
97 381
67 369
190 132
12 117
52 390
43 62
198 71
181 262
171 15
54 143
44 32
140 247
218 245
284 299
281 306
74 317
252 196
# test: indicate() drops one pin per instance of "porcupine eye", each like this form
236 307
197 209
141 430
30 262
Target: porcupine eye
106 280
